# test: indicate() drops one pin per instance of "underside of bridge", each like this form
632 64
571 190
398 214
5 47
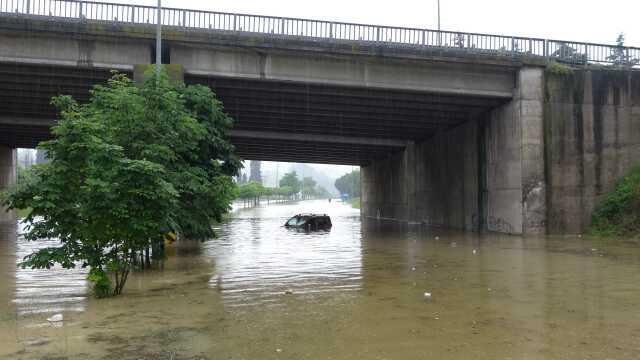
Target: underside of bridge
275 120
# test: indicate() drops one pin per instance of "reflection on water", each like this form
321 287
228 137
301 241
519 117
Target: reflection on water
258 258
52 291
260 291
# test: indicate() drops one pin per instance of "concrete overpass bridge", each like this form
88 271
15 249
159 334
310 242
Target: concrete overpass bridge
451 129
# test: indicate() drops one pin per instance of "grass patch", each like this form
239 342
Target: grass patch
355 202
619 213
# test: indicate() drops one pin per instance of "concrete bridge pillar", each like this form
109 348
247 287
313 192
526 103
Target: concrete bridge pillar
514 142
8 167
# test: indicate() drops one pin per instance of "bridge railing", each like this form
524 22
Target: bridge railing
444 41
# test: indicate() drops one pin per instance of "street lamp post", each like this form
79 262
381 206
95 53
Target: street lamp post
159 38
438 15
439 33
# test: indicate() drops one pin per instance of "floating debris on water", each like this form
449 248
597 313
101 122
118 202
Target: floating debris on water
55 318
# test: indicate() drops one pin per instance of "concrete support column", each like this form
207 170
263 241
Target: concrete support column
8 167
389 187
530 104
514 138
410 178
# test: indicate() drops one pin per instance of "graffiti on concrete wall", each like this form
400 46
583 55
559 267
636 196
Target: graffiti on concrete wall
535 208
499 225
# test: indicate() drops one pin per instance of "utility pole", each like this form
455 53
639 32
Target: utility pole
159 38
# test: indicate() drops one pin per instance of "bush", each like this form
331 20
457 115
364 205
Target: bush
619 213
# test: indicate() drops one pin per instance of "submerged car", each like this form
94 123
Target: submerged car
309 222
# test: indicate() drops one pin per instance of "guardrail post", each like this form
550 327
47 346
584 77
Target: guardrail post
377 34
424 37
586 54
184 18
133 14
282 21
546 48
331 30
28 10
235 17
627 58
80 3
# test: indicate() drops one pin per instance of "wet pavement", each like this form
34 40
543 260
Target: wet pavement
261 291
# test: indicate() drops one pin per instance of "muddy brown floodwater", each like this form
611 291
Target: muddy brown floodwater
260 291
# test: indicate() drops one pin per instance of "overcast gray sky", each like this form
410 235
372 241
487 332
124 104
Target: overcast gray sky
586 20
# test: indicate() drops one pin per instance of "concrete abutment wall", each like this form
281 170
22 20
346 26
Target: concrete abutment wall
592 135
8 168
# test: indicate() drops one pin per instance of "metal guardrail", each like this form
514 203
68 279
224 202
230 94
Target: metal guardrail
485 44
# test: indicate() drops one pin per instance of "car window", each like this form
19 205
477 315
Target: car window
293 221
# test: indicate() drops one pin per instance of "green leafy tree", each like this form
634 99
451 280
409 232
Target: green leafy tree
125 168
250 190
284 191
349 183
567 54
619 55
291 181
308 186
321 192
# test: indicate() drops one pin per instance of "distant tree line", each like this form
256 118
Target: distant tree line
349 184
290 188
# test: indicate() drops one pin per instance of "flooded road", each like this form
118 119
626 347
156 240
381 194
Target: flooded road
260 291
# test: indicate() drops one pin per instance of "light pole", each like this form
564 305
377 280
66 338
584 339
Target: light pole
159 38
438 15
439 33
